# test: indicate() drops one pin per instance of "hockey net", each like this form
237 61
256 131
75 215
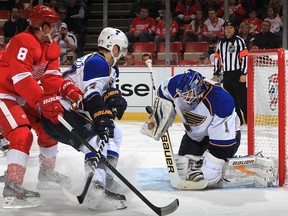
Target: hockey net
267 97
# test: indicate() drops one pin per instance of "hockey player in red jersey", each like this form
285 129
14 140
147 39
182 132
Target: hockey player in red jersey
30 58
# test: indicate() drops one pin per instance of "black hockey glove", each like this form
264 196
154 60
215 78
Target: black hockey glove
103 121
114 100
101 115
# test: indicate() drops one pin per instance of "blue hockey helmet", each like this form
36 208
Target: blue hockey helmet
191 87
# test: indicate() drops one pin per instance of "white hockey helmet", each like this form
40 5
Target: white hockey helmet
110 37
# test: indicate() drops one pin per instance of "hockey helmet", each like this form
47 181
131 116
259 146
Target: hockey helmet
40 14
110 37
190 87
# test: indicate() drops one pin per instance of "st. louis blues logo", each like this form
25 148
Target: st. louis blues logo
273 91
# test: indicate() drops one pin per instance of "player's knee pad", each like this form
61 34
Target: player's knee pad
21 139
212 168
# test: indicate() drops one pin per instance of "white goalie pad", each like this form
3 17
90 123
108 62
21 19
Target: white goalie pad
160 120
255 171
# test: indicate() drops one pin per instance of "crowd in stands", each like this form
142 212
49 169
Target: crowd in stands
258 22
71 28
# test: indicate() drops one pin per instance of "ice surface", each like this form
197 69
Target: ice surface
142 163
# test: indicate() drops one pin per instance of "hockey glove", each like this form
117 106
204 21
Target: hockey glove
101 115
70 91
51 107
114 100
103 121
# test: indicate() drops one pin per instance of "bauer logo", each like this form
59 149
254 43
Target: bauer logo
244 162
167 152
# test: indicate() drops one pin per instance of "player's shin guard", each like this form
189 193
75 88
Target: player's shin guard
48 177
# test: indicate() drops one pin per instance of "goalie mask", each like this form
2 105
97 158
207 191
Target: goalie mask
191 87
110 37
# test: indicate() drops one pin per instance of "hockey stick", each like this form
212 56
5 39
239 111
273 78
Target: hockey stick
79 199
158 210
174 177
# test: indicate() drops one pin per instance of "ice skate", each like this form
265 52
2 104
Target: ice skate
51 179
15 196
98 196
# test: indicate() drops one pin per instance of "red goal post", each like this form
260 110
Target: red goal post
267 98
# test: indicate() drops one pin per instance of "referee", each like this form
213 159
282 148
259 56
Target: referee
231 59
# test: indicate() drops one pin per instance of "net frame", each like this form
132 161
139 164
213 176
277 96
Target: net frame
281 105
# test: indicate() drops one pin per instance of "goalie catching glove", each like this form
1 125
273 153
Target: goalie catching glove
102 117
114 100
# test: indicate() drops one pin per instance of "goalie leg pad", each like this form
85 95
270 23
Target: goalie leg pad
212 168
182 164
249 170
160 120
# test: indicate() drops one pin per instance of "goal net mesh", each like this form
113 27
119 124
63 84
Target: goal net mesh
267 106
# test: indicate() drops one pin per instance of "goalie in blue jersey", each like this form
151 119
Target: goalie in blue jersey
212 133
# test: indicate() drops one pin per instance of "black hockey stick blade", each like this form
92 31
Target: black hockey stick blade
79 199
158 210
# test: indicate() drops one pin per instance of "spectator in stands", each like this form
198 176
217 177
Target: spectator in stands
68 58
14 25
145 57
275 20
236 11
53 4
254 22
160 32
185 11
266 39
129 60
213 30
193 31
204 59
76 23
244 32
153 6
66 40
142 28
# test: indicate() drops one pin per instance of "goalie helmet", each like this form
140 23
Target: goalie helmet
40 14
110 37
190 87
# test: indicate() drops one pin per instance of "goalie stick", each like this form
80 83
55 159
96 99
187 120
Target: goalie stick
168 209
174 177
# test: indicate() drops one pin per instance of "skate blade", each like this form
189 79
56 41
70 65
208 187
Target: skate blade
47 185
13 202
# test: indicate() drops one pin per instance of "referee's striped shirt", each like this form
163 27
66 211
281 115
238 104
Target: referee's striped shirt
230 55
